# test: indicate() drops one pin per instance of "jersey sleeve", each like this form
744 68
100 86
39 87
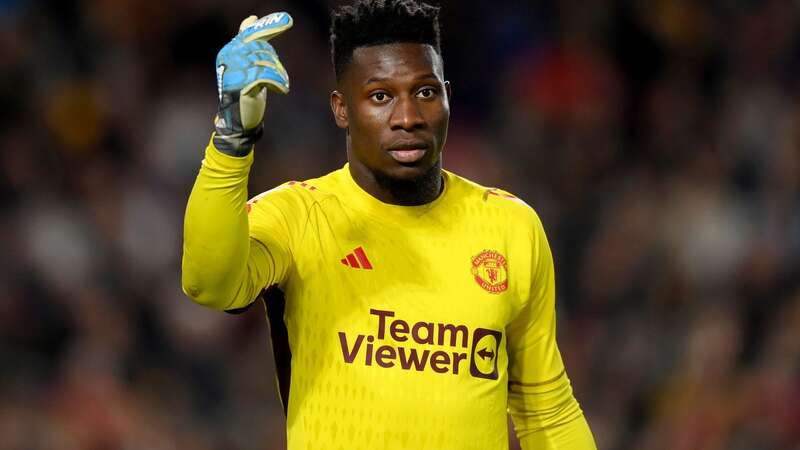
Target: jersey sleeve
542 406
229 257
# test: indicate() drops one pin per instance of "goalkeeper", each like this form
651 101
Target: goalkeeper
409 307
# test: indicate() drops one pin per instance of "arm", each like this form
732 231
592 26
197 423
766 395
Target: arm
546 415
223 267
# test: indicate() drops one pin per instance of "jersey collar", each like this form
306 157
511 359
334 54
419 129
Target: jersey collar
364 201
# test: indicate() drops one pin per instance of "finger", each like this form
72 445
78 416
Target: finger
258 45
256 76
276 86
247 22
268 60
273 79
264 55
266 27
251 70
276 67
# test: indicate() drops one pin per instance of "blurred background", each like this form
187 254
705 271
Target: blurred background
659 141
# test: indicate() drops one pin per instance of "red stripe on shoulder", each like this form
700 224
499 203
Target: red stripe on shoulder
502 194
302 184
494 191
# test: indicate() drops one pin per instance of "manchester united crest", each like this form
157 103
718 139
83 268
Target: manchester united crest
490 270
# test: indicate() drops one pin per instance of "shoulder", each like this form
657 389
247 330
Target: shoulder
296 194
495 201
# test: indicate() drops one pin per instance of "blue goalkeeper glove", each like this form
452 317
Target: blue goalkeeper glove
246 68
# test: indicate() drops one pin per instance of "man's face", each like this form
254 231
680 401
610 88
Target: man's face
394 102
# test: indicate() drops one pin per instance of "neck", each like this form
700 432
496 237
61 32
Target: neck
419 190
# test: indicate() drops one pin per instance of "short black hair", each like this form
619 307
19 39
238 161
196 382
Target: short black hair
376 22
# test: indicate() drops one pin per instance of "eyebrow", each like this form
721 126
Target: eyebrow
385 79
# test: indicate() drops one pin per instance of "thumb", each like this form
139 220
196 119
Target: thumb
251 107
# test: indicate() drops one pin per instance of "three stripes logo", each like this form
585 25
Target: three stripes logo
357 259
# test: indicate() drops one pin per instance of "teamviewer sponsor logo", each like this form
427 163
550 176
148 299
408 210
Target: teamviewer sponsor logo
485 343
422 346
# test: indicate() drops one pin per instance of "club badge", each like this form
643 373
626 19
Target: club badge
490 270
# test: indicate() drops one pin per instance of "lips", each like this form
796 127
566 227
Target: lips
407 156
407 152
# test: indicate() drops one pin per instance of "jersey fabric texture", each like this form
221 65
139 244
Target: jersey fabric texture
409 327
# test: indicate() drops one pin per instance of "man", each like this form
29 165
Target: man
419 306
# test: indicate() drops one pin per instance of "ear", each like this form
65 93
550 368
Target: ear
449 90
339 109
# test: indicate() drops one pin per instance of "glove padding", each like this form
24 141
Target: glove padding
246 67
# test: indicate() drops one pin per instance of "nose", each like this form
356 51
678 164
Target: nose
406 115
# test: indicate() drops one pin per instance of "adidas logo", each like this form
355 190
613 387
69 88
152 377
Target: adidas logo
357 260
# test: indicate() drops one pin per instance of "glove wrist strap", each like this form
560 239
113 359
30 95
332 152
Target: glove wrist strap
230 137
237 144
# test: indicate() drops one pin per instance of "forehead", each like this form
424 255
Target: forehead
393 61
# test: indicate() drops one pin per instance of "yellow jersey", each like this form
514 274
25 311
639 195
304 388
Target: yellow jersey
409 327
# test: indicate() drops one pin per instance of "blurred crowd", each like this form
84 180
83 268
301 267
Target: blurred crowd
659 141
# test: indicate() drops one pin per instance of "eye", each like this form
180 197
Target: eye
379 97
427 92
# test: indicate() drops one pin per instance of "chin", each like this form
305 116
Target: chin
408 172
408 176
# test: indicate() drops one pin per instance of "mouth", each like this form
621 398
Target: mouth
408 152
